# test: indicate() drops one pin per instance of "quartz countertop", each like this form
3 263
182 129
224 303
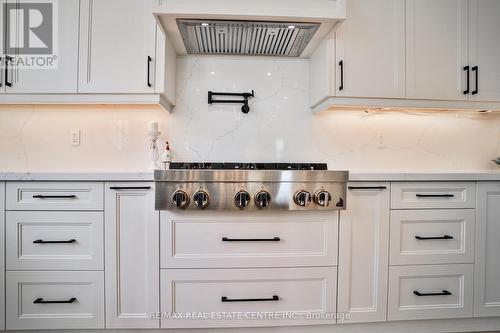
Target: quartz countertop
354 176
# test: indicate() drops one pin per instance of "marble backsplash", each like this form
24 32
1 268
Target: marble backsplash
279 127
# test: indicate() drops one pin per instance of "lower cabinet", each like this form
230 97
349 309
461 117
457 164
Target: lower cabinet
430 292
55 300
363 253
487 273
131 255
248 297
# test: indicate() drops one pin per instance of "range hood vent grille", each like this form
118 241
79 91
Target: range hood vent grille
245 37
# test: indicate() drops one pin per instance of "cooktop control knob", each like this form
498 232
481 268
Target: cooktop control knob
262 199
180 198
201 198
241 199
302 198
322 198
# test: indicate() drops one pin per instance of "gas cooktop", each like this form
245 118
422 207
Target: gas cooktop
246 166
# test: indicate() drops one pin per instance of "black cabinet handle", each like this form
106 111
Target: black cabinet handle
271 299
443 293
434 195
130 188
274 239
41 241
367 187
42 301
476 70
149 71
1 81
467 80
429 238
7 59
41 196
341 64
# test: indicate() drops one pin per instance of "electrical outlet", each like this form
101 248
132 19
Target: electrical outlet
75 137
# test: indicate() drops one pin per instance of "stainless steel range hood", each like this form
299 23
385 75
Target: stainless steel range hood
282 28
246 37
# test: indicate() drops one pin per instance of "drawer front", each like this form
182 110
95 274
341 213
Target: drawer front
247 291
54 196
432 236
29 295
54 240
277 240
430 292
422 195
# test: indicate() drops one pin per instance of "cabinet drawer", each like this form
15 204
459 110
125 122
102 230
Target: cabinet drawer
420 195
54 196
430 292
81 294
432 236
249 241
54 240
226 291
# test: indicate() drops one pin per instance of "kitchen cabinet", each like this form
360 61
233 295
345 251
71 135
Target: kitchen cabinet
362 57
364 253
382 72
484 51
62 77
117 46
2 255
436 49
487 270
131 255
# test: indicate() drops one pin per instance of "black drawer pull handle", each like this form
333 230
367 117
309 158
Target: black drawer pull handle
224 299
7 60
130 188
274 239
430 238
41 241
443 293
467 80
341 64
367 187
41 196
42 301
476 70
149 72
435 195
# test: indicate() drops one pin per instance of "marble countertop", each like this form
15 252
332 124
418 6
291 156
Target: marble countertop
145 175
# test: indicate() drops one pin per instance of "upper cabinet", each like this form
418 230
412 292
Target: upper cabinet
362 57
105 52
117 47
61 78
484 51
410 54
370 50
436 49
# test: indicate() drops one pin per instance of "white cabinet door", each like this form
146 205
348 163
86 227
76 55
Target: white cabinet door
484 26
62 76
487 272
370 50
131 255
322 71
2 256
117 46
436 49
364 253
2 56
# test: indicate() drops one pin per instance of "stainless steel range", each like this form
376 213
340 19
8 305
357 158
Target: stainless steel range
250 186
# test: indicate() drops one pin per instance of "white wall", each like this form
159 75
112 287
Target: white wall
279 127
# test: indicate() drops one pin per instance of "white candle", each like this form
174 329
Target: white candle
153 126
